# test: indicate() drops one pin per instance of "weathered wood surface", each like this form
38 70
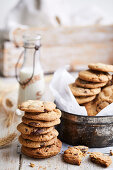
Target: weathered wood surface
57 36
11 160
61 46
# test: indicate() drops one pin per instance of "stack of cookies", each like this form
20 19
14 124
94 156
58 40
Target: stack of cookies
94 88
38 135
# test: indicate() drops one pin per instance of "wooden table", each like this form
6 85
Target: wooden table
12 159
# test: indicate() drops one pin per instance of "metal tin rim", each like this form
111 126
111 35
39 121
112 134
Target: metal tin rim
86 116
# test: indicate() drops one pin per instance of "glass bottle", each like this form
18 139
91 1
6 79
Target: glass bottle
31 77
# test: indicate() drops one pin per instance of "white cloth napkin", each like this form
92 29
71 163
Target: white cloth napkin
62 93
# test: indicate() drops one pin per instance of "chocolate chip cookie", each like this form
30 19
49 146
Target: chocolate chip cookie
106 94
101 67
29 130
91 108
94 76
103 99
101 105
100 158
37 123
37 106
41 138
46 116
34 144
83 149
73 156
88 84
79 91
43 152
82 100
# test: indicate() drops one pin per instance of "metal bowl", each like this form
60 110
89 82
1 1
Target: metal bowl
92 131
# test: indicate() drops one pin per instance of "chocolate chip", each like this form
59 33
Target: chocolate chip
45 110
43 144
37 132
76 154
49 146
26 129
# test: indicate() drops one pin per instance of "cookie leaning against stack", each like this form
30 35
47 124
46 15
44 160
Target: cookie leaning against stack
89 85
38 135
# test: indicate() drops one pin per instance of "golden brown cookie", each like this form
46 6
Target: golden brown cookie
33 144
82 100
91 108
83 149
36 106
109 83
41 138
37 123
87 84
46 116
106 94
79 91
43 152
100 158
73 156
104 98
101 105
101 67
94 76
29 130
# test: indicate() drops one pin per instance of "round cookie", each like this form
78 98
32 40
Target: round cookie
46 116
88 84
104 98
83 149
101 159
29 130
43 152
82 100
94 76
41 138
101 105
37 123
49 106
101 67
33 144
91 108
109 83
106 94
36 106
73 156
79 91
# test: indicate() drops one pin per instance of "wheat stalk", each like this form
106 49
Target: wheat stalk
7 140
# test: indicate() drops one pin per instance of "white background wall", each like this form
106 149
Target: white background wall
104 5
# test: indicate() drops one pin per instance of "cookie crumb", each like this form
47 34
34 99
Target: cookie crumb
32 165
111 153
